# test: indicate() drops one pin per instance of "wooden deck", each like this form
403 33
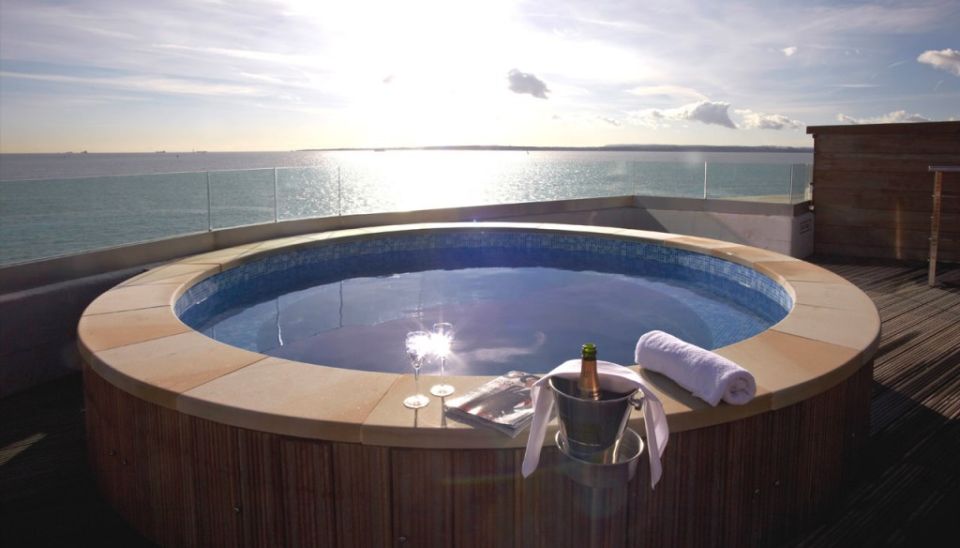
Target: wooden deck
907 494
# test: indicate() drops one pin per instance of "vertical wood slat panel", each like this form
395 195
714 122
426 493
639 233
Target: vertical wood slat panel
212 450
362 482
104 416
138 489
261 493
653 515
757 481
94 397
484 497
172 494
308 492
858 394
557 511
422 497
131 498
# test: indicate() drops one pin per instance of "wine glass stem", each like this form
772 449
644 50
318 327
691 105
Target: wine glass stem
416 379
443 363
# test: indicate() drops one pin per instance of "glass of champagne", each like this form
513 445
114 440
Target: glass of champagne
418 346
441 340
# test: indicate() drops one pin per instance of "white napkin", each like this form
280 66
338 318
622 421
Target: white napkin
612 377
710 377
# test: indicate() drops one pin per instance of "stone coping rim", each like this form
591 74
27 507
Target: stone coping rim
132 337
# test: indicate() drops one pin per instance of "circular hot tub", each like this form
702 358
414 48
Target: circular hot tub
289 428
519 299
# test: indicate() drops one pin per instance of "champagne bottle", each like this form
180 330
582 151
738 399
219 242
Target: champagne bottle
589 383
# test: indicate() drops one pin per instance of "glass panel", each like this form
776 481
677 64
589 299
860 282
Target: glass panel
307 192
802 175
753 182
674 179
240 198
53 217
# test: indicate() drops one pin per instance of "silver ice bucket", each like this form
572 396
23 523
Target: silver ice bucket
591 429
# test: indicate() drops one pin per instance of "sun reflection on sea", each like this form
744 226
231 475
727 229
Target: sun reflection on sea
433 179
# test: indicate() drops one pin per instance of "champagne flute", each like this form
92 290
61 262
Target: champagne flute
418 346
441 339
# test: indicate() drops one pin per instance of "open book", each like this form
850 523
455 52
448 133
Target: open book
502 404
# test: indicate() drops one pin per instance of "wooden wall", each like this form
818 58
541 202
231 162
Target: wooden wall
872 191
184 481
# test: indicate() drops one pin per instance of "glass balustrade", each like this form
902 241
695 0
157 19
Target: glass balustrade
47 218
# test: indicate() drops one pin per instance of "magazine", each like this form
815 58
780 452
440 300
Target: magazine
502 404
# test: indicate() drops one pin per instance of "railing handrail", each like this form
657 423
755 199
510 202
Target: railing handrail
310 166
160 173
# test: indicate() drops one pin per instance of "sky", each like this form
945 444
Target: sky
129 75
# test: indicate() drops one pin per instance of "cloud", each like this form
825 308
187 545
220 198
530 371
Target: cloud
610 121
522 82
945 59
895 117
143 83
789 51
668 91
706 112
857 86
760 120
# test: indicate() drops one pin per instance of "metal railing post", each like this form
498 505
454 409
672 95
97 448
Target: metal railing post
790 195
705 180
276 208
209 206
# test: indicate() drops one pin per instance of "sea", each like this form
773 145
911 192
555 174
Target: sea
60 204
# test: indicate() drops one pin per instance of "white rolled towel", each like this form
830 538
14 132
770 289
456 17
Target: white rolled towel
710 376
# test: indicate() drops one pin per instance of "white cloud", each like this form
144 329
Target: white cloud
857 86
611 121
789 51
945 59
522 82
150 84
668 91
707 112
760 120
895 117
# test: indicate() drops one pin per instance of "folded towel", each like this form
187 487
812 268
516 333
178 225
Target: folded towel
612 377
709 376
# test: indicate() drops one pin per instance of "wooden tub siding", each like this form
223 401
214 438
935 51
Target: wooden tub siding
872 191
185 481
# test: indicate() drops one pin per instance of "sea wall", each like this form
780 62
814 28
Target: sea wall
872 189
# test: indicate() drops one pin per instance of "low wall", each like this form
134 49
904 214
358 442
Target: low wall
872 190
41 301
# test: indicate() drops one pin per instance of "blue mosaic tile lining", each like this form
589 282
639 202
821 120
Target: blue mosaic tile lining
327 262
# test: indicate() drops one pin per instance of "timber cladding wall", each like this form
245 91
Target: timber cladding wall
872 190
